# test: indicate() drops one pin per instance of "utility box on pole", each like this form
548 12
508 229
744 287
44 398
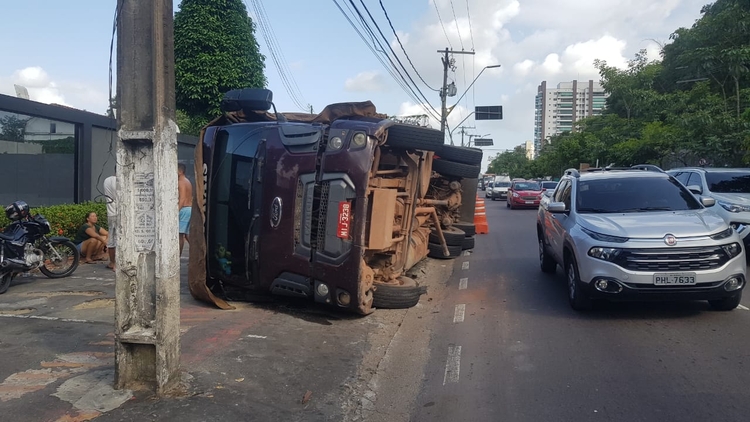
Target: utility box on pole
147 289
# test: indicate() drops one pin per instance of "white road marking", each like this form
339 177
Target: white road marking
453 364
463 283
459 313
465 265
744 308
255 336
466 253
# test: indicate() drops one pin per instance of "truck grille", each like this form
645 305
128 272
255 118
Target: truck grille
672 259
320 214
298 203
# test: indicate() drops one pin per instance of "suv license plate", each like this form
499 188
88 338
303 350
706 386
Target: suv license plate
674 279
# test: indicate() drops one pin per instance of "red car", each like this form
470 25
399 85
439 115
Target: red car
524 194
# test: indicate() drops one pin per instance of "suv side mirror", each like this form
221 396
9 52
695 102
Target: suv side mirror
549 193
695 189
556 207
708 202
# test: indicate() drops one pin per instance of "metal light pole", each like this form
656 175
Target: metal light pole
467 90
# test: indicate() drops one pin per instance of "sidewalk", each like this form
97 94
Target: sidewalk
257 362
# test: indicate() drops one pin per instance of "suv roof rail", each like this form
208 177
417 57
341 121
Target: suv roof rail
647 167
572 172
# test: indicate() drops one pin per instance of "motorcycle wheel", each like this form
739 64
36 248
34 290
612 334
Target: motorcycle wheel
63 266
5 282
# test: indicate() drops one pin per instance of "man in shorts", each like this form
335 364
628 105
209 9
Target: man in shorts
185 189
110 193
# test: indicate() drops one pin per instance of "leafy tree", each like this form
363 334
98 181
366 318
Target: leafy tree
215 51
12 128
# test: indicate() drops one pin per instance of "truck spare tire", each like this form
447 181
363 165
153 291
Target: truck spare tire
450 168
436 251
461 154
401 296
414 137
453 236
469 228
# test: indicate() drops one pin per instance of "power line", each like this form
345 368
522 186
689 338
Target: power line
455 19
402 47
471 31
441 24
276 55
411 86
400 81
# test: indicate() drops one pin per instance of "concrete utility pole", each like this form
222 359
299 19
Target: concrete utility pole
463 132
147 288
444 91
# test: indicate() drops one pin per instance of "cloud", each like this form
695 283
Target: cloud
368 81
44 89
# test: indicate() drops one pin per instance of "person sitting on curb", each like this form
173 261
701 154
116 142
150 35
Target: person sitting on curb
91 240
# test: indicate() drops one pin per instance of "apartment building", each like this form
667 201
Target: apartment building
557 109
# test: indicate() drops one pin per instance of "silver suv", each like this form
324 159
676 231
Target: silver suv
638 235
730 187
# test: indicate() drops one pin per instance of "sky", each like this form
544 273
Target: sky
62 55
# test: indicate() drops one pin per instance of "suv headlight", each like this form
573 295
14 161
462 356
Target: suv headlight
604 237
732 249
606 254
734 207
723 234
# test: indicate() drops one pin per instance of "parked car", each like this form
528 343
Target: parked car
548 185
635 235
730 187
524 194
499 188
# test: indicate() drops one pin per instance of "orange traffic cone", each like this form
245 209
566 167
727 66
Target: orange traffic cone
480 217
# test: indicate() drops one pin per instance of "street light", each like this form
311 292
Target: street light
469 87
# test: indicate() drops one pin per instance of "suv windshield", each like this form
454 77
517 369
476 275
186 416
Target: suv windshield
728 182
526 186
502 184
633 194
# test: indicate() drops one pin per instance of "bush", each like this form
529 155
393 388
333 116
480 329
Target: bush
67 219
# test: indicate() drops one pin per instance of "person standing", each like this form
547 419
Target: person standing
185 189
110 193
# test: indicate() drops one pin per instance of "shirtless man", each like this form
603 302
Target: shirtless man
185 189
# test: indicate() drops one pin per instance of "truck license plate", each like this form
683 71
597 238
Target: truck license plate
345 213
674 279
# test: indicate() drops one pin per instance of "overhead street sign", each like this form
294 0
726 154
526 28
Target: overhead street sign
488 113
486 142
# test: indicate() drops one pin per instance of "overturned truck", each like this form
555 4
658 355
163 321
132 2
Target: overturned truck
335 207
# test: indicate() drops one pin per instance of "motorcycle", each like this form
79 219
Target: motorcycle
24 246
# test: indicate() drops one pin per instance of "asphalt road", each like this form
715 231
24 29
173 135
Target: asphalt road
507 347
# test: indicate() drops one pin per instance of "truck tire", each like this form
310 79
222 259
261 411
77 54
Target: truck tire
436 251
469 228
461 154
453 236
390 296
414 137
450 168
468 243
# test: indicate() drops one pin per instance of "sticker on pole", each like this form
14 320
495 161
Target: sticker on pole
345 215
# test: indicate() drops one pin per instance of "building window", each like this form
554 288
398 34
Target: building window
37 160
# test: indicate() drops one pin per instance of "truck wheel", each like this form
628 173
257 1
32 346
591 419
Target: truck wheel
453 236
469 228
436 251
461 154
414 137
402 296
468 243
450 168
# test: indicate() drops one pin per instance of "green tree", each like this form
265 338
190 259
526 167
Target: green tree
12 128
215 51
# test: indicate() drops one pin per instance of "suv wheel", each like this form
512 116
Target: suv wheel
546 262
726 304
576 294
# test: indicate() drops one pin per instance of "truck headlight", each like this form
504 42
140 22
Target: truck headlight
335 143
359 139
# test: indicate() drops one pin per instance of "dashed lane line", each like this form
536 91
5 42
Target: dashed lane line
459 313
744 308
463 283
465 265
452 365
